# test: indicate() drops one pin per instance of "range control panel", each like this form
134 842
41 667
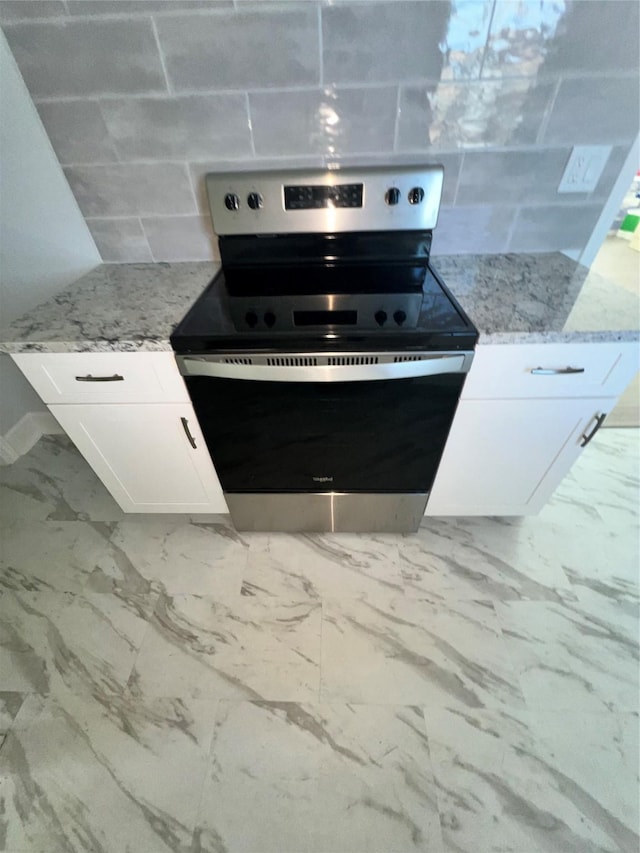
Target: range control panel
326 312
325 201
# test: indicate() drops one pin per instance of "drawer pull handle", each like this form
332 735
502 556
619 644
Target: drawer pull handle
556 371
192 441
586 437
89 378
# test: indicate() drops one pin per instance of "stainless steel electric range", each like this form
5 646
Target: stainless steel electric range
326 358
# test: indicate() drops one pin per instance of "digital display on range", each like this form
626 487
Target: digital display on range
314 197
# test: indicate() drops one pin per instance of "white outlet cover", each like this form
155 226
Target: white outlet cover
584 168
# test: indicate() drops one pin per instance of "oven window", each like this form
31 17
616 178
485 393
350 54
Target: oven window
378 436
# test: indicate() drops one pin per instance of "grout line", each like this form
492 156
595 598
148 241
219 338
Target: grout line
512 227
320 45
458 180
486 44
250 120
192 185
396 127
546 118
167 82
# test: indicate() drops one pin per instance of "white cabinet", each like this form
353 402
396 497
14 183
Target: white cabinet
521 422
130 416
506 457
144 455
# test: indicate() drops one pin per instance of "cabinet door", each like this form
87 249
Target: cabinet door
506 457
144 457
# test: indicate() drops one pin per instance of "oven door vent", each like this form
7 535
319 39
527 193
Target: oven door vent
292 361
352 359
243 360
398 358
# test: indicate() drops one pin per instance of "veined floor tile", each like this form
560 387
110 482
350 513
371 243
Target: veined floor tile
196 646
60 642
173 557
581 654
114 778
483 558
54 482
416 652
501 788
315 566
40 556
318 778
10 704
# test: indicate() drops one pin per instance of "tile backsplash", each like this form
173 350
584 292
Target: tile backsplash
141 98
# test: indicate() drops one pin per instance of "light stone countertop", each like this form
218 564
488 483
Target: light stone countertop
510 298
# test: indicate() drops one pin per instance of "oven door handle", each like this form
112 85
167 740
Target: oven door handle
432 366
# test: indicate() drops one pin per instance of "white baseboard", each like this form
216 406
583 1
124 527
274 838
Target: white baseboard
21 437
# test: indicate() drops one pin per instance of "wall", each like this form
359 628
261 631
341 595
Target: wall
141 97
44 241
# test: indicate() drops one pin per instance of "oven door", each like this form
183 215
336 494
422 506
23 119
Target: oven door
296 424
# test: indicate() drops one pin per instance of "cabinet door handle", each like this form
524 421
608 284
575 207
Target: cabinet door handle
556 371
586 437
192 441
89 378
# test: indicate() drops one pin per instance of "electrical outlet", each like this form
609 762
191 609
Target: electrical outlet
583 170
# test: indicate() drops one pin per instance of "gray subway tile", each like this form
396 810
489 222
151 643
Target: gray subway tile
513 177
329 121
599 35
241 50
415 118
181 238
380 42
87 57
120 240
131 190
77 131
472 114
201 169
142 7
472 230
19 10
187 127
594 110
610 173
554 227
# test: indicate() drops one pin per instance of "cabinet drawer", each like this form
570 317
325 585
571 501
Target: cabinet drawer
551 370
104 377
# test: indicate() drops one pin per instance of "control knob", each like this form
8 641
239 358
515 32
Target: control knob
399 317
269 319
231 201
254 200
416 195
392 195
380 317
252 319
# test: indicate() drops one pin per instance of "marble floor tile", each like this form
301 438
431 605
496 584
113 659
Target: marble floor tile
501 787
315 566
581 654
416 652
173 557
40 556
54 482
196 646
60 642
110 777
318 778
10 704
496 559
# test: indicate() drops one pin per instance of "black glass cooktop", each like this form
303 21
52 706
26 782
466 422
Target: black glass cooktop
243 310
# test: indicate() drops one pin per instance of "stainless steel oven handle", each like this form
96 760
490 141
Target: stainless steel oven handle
326 373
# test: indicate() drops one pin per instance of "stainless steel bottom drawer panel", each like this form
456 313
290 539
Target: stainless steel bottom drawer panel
327 512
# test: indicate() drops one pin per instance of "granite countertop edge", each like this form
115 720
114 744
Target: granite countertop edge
512 299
